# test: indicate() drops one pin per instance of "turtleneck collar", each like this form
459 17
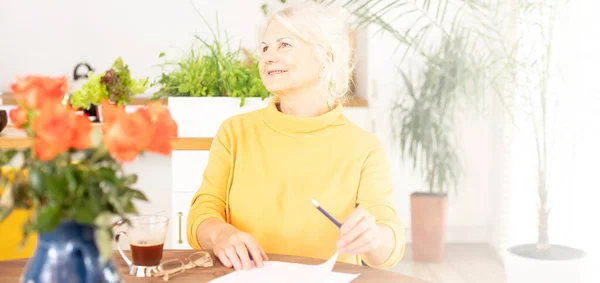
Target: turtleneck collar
296 125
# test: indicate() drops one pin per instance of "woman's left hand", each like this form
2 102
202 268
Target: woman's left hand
360 233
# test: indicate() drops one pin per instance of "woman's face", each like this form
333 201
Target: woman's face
287 63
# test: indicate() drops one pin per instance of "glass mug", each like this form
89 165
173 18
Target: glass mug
146 235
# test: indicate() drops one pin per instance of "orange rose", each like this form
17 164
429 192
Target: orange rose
35 91
110 112
46 151
126 137
81 133
54 127
19 117
163 128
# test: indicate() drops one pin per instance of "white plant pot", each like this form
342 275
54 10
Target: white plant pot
521 269
202 116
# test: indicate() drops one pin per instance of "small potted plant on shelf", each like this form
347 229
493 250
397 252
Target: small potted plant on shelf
115 85
210 84
72 178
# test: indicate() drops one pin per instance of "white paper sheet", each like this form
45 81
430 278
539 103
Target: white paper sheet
277 271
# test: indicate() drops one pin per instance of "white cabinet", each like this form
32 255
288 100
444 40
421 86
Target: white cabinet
179 212
187 169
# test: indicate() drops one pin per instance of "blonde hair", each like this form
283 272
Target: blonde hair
326 28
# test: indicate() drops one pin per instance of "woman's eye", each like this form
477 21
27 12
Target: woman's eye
264 49
283 44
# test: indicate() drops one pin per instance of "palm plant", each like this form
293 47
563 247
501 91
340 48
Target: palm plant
536 101
534 73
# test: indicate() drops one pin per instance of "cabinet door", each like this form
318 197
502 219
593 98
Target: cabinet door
180 208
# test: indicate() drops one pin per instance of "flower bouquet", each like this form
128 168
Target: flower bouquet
72 176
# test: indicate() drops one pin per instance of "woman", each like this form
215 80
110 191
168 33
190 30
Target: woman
266 166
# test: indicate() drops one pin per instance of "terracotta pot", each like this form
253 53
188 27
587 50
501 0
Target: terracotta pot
428 226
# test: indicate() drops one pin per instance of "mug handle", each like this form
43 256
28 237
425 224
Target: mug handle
125 258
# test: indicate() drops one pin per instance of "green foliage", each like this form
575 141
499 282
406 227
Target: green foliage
84 189
423 118
211 70
115 84
90 93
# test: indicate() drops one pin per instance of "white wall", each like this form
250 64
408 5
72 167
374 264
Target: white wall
52 37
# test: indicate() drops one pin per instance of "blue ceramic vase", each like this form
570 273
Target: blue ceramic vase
69 254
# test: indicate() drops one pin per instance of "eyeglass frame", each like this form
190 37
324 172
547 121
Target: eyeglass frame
185 263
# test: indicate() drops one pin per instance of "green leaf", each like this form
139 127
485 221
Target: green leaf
48 217
108 174
84 211
129 180
139 195
71 181
103 238
6 156
56 187
264 8
162 54
36 180
130 208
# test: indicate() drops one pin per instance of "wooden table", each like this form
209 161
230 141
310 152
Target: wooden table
11 270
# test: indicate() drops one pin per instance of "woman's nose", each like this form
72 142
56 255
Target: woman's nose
269 57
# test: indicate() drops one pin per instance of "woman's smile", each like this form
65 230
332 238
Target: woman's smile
276 72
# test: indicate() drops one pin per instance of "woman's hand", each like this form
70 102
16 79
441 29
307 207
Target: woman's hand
360 233
238 249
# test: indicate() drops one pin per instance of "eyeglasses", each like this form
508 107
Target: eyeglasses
173 267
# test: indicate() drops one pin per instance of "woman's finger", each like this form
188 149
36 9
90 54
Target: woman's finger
262 252
366 242
240 249
233 257
255 252
363 225
224 259
352 220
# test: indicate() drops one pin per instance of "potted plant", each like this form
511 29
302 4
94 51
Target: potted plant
72 178
541 261
210 84
423 125
115 85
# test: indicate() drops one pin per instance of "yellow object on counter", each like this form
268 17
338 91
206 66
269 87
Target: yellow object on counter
11 229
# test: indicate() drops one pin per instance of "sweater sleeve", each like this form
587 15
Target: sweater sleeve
375 194
210 199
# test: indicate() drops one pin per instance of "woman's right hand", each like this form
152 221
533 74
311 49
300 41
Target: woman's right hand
238 249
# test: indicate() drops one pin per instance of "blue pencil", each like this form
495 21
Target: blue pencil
337 223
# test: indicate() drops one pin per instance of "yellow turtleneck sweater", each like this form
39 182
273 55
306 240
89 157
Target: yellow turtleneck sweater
265 167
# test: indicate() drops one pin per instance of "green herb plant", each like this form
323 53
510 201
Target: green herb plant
212 69
115 84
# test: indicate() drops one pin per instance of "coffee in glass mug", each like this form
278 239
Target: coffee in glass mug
146 235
